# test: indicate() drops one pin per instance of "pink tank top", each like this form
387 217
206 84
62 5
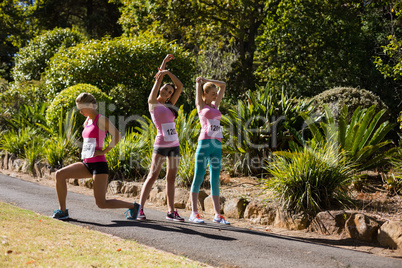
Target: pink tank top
163 119
93 140
210 118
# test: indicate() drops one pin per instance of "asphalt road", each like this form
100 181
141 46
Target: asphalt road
217 245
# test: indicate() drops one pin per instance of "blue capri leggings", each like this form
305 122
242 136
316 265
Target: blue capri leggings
208 152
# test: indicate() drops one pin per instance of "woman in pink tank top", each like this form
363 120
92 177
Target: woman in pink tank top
94 162
160 104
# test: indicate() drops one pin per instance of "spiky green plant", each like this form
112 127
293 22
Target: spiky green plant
62 146
14 141
310 179
126 159
33 151
361 138
266 122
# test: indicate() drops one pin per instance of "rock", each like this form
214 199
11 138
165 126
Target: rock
37 169
329 222
289 221
129 189
158 196
260 212
73 182
390 235
16 164
5 161
114 187
235 207
86 183
362 227
2 156
25 167
181 197
202 194
209 206
199 204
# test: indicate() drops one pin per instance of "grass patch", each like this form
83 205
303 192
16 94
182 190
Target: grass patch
27 238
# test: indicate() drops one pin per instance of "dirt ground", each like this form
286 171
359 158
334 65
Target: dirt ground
372 201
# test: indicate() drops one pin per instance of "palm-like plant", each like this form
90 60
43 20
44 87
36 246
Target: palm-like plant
266 122
126 159
361 139
310 179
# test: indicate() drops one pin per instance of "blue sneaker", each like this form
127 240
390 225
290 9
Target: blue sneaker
221 219
132 213
60 215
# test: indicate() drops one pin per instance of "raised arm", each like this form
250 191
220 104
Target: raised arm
179 87
199 101
152 98
222 87
168 58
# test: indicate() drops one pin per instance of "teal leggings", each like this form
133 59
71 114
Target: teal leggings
208 151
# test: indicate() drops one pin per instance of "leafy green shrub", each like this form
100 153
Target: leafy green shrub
16 96
62 148
32 116
188 129
338 97
311 179
108 64
126 160
64 102
266 122
32 60
361 137
15 141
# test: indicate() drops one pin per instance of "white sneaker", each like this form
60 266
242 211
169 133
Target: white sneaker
196 218
221 219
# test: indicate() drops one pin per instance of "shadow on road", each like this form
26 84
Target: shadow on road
164 226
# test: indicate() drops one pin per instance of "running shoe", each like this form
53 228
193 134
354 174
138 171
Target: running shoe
174 216
60 215
221 219
141 216
132 213
196 218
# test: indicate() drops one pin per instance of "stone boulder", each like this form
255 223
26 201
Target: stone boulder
390 235
260 212
329 222
129 189
290 221
209 205
362 227
114 187
235 207
181 197
158 196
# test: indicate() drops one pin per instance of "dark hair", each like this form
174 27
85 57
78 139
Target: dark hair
172 108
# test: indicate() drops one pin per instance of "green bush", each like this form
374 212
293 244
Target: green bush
32 60
15 96
337 97
311 179
109 64
65 102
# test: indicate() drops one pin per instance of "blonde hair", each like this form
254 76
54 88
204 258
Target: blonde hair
85 98
208 86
